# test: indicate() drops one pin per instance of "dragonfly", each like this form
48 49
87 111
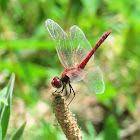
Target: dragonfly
74 52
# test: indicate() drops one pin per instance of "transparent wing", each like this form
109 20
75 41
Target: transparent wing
94 79
80 45
75 74
61 41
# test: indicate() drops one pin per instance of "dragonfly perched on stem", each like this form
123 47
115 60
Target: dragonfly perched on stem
74 52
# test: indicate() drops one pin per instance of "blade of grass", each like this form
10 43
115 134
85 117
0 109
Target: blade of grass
111 129
3 99
0 132
17 135
6 110
91 130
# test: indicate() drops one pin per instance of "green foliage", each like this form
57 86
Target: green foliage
0 132
91 133
50 131
3 98
111 129
46 130
27 50
3 4
19 132
6 111
110 93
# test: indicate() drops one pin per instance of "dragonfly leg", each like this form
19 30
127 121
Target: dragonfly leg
64 85
66 93
69 94
60 90
71 89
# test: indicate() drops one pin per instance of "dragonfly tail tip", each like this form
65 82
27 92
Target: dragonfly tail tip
109 31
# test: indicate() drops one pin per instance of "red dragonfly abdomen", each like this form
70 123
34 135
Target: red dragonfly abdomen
84 62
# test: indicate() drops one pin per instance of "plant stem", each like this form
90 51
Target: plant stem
65 118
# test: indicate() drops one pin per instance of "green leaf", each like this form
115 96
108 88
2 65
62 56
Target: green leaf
3 98
0 132
111 130
6 110
3 4
90 6
91 130
17 135
28 44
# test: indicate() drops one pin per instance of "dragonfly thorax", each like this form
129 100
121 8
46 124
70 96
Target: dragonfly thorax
56 82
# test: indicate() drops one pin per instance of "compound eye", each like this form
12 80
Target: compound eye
52 83
56 82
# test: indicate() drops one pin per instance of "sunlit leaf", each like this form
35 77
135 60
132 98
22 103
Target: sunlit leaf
3 98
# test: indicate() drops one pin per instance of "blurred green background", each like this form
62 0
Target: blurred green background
27 50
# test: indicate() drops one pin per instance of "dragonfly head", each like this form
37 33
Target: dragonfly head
56 82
